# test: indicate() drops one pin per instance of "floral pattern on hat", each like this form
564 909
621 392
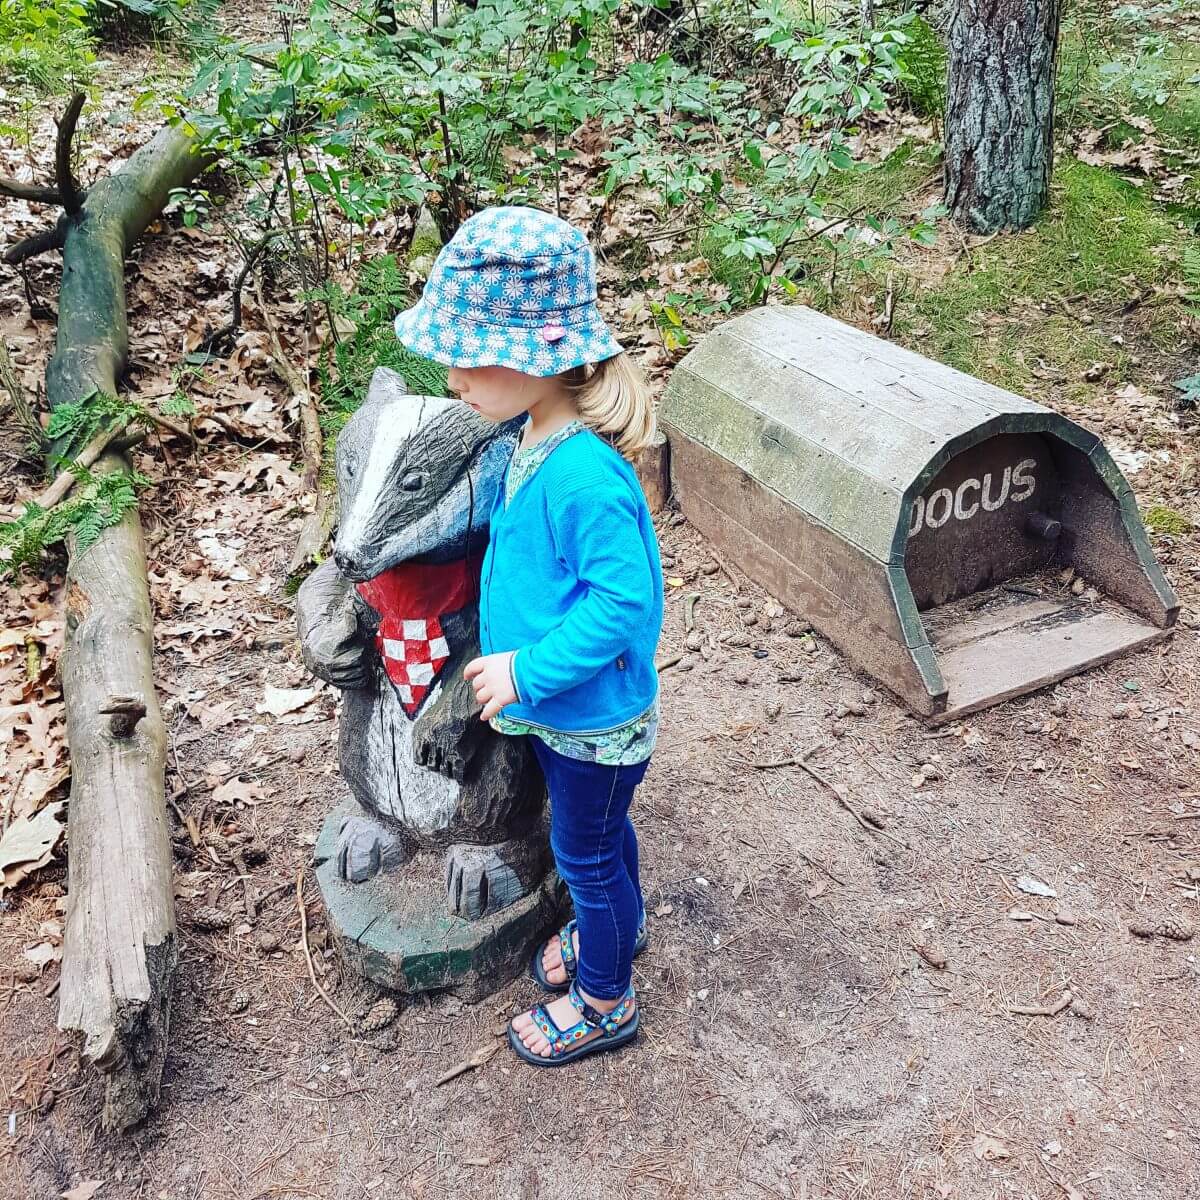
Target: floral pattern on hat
514 287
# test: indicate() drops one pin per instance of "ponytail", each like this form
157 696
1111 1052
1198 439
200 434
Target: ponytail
614 401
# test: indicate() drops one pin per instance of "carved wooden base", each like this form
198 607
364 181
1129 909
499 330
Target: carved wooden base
397 931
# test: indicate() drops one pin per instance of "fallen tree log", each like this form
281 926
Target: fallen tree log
119 952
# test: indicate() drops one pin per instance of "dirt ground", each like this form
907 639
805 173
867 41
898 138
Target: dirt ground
827 1008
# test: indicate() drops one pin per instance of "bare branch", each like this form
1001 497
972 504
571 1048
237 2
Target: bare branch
39 243
33 192
68 189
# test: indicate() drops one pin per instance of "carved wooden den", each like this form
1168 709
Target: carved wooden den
921 519
437 873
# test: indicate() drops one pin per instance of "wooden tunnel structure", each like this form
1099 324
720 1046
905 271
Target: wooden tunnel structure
918 517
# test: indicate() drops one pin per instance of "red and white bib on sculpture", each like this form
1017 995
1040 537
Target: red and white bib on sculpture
410 599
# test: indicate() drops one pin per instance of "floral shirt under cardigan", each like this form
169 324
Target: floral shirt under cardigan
630 743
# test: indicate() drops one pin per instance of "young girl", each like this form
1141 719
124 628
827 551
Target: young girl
571 602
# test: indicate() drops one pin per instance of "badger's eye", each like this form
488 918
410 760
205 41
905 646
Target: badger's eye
412 482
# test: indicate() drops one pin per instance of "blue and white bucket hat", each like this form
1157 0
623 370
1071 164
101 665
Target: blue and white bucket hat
514 287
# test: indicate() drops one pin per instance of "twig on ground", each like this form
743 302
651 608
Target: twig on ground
212 344
312 974
481 1056
1035 1010
239 862
689 611
737 587
310 421
64 481
664 663
870 821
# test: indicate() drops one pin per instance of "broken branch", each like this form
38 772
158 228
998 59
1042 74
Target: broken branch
312 974
35 193
310 420
30 247
481 1056
68 189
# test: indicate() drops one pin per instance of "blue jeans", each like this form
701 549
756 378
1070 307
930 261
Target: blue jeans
596 852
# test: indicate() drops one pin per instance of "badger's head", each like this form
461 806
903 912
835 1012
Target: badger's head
416 478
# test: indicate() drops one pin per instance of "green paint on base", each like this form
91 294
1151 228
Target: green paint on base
397 931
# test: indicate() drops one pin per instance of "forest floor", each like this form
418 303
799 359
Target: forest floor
828 1011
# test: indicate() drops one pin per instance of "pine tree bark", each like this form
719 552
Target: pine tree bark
999 122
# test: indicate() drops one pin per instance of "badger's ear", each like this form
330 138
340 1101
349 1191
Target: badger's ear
385 385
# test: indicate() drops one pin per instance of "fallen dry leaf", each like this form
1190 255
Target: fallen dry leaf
278 701
990 1148
43 953
238 791
83 1191
29 844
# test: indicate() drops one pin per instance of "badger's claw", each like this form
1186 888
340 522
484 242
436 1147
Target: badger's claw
365 847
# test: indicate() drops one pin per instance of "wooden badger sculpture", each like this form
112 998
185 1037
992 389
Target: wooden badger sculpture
392 620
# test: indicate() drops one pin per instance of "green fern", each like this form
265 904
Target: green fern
382 291
1189 268
178 405
923 59
98 502
74 425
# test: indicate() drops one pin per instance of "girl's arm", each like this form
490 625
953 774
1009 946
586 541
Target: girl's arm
596 529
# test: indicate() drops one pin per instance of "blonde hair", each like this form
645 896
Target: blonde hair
614 401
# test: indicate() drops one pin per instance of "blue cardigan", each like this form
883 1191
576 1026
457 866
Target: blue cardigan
572 582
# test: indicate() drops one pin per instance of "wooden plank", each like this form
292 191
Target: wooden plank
850 359
829 489
957 383
741 532
1013 661
1104 540
828 560
827 403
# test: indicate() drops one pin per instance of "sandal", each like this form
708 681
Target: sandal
568 1044
566 946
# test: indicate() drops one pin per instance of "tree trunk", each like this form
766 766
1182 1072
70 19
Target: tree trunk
119 949
1000 110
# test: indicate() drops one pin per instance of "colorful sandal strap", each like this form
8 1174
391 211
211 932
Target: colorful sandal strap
608 1022
561 1040
566 945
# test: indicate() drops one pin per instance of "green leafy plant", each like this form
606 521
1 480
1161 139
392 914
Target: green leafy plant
923 61
96 502
74 425
484 108
47 43
367 313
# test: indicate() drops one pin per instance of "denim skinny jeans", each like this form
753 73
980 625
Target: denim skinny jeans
596 852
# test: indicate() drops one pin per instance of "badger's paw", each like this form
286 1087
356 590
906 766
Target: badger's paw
485 879
365 847
449 744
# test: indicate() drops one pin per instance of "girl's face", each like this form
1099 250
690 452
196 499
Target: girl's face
497 393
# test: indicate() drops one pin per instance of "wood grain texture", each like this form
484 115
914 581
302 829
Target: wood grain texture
119 948
119 954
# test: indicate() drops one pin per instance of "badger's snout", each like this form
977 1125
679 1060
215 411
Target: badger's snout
347 564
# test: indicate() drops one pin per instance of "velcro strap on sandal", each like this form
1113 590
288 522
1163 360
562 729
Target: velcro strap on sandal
609 1023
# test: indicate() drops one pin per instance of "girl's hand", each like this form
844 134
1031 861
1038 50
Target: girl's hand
493 682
